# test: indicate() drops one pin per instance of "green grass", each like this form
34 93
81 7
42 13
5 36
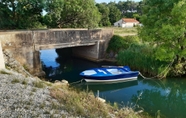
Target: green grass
4 72
123 31
15 81
33 90
141 57
119 30
24 82
26 67
131 51
39 84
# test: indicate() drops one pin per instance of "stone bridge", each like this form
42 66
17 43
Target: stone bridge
25 45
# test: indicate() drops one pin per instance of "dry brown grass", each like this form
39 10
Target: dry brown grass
84 104
124 31
79 103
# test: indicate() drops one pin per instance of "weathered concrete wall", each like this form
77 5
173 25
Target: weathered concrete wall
95 52
21 45
51 39
25 45
2 65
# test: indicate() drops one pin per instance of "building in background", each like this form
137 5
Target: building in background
126 22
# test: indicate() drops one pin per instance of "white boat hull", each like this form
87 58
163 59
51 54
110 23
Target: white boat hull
112 80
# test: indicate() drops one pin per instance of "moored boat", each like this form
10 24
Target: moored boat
109 74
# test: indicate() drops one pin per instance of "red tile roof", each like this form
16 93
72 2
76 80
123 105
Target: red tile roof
130 20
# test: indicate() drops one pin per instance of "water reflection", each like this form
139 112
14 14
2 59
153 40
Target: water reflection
102 87
68 67
166 96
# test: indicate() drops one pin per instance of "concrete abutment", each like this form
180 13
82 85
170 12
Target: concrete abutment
2 65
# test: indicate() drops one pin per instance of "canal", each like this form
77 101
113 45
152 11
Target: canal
166 97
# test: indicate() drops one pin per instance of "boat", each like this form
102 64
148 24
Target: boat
109 74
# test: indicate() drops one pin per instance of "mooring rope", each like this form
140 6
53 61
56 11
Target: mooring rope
80 81
152 78
158 74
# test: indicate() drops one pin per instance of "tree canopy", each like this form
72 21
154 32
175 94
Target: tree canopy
113 11
128 8
53 9
165 27
19 14
24 14
73 13
104 11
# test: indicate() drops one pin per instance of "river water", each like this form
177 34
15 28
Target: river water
166 97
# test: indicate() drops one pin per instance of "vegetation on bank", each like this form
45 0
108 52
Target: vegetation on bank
84 104
139 55
164 28
162 50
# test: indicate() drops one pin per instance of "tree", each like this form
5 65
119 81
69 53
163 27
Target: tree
115 13
21 13
104 10
79 13
140 7
128 8
164 26
54 9
5 21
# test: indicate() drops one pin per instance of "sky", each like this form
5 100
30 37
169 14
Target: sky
107 1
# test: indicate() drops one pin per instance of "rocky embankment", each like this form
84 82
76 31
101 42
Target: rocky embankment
27 97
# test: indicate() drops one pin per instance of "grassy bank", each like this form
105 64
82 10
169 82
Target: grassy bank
141 57
85 104
131 51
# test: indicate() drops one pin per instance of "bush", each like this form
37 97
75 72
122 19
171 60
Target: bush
118 42
132 52
141 57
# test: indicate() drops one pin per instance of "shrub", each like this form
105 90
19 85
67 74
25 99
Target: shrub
39 84
4 72
15 81
24 82
118 43
141 57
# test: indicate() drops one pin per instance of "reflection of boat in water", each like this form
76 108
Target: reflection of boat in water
107 86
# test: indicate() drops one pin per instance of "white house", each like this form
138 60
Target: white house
126 22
